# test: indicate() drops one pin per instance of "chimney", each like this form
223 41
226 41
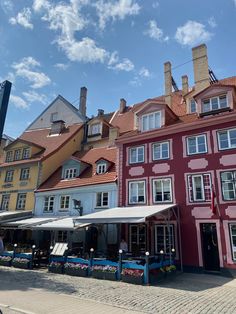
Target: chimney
122 105
200 67
185 87
57 127
100 112
83 99
168 83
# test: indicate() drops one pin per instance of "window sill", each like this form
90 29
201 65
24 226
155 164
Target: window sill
213 112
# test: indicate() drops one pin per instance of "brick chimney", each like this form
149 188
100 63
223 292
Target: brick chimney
100 112
57 127
185 87
83 100
168 83
200 67
122 105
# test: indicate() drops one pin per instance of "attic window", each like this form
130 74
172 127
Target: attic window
101 168
151 121
70 173
95 129
214 103
192 106
54 116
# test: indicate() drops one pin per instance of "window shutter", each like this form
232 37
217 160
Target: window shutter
190 188
207 186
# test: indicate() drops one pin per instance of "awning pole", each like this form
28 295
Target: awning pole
180 241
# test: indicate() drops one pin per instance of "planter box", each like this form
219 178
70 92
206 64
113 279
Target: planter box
5 263
104 275
76 272
21 265
138 280
56 270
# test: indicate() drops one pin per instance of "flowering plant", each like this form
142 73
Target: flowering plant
132 272
5 258
19 260
168 269
107 268
55 264
76 266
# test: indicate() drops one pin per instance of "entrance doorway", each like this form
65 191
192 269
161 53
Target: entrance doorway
210 251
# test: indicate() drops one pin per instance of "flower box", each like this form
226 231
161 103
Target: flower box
104 275
5 260
132 279
55 267
21 263
76 272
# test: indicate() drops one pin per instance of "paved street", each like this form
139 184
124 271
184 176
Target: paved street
41 292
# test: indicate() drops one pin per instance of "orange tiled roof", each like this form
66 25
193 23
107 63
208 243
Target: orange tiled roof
89 175
50 144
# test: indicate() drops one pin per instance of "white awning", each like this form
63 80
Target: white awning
7 216
137 214
60 224
27 223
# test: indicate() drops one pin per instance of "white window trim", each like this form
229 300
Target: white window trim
129 192
18 201
161 143
197 151
153 190
218 100
64 208
9 178
102 194
148 115
91 128
136 148
202 188
190 106
165 236
9 156
22 177
231 241
218 137
222 189
49 200
24 155
17 154
100 167
72 173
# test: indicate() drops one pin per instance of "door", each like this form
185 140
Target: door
210 250
137 239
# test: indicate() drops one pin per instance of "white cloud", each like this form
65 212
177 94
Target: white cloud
212 22
32 96
144 72
125 65
18 102
155 32
192 33
115 10
61 66
23 18
155 5
6 5
40 4
26 69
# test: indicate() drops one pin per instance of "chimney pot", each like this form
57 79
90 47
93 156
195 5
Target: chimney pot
83 100
100 112
122 105
185 86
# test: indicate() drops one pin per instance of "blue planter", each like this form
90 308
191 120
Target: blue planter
76 272
104 275
137 280
56 270
5 263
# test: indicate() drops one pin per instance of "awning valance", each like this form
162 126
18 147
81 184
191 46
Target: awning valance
27 223
136 214
60 224
7 216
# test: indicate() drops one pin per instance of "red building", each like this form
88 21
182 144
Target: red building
182 151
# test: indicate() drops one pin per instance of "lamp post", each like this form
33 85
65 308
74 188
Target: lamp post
91 260
147 268
173 253
120 264
14 250
162 257
32 256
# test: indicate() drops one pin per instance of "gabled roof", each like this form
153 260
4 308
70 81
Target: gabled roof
213 86
89 176
20 140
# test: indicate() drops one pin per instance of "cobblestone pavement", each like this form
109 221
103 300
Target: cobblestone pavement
187 293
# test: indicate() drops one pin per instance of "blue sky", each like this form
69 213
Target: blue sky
116 48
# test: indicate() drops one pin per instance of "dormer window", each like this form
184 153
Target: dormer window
26 153
95 129
192 106
151 121
54 116
9 156
101 168
17 155
70 173
214 103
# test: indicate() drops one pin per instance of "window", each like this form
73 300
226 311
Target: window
196 144
54 116
24 175
160 151
162 190
228 184
65 202
101 168
48 204
227 139
199 187
136 154
95 129
192 106
137 192
102 199
164 238
9 176
70 173
9 156
21 199
151 121
26 153
233 240
5 202
62 236
17 155
214 103
137 239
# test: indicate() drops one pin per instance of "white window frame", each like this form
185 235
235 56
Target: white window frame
161 144
5 201
148 116
64 200
165 236
218 102
17 154
136 149
194 186
9 156
95 128
103 195
48 203
26 153
21 201
137 241
233 248
162 187
9 176
62 236
70 173
191 103
137 196
101 168
54 116
196 137
233 181
228 138
24 174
